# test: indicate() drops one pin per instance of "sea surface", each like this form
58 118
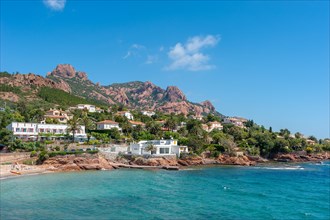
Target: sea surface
279 191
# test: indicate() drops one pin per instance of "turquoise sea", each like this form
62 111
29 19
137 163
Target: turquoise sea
279 191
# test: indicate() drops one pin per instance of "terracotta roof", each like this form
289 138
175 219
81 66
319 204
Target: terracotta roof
55 116
136 123
107 122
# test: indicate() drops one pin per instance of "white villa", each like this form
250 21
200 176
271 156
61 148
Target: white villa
161 148
126 114
148 113
31 131
212 125
107 125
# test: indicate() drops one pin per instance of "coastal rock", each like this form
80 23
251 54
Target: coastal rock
285 157
240 160
157 161
192 160
81 162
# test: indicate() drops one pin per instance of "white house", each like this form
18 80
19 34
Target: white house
126 114
237 121
148 113
215 125
31 131
90 108
160 148
107 125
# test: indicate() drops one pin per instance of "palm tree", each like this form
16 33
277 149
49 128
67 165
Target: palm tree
87 122
73 126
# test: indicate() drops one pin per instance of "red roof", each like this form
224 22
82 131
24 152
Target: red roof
107 122
136 123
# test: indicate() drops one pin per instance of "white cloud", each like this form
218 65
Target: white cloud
56 5
189 57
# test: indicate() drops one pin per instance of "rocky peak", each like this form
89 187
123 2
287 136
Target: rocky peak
174 94
208 105
67 71
82 75
64 70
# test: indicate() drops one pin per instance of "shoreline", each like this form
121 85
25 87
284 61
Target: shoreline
42 170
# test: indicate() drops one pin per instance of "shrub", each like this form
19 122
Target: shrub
28 162
42 157
33 154
309 150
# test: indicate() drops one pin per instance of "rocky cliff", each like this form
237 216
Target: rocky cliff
135 95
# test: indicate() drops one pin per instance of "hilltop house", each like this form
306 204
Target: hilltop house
33 131
237 121
107 125
126 114
136 123
148 113
61 116
159 148
212 125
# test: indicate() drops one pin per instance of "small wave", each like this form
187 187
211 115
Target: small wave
283 168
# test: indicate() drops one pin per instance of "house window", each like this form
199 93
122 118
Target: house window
164 150
41 130
24 129
17 129
54 130
30 130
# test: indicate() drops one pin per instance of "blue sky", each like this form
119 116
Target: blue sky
263 60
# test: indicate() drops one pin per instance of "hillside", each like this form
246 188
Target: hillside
135 95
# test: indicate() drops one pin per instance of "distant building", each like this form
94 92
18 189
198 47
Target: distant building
136 123
32 131
160 147
89 108
237 121
126 114
61 116
212 125
107 125
148 113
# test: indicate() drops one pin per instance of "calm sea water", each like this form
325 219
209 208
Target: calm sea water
299 191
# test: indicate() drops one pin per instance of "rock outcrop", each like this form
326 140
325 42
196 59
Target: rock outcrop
25 81
74 163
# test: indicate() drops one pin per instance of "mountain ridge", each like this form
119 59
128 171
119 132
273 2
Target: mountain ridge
135 95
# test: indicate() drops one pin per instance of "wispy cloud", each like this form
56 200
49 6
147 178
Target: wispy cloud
134 50
188 56
56 5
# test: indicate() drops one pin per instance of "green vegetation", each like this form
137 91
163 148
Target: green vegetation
62 98
8 88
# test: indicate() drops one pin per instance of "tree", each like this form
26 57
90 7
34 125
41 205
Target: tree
151 148
154 128
170 123
74 126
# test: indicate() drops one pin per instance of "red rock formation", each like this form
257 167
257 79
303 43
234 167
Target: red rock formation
81 162
174 94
